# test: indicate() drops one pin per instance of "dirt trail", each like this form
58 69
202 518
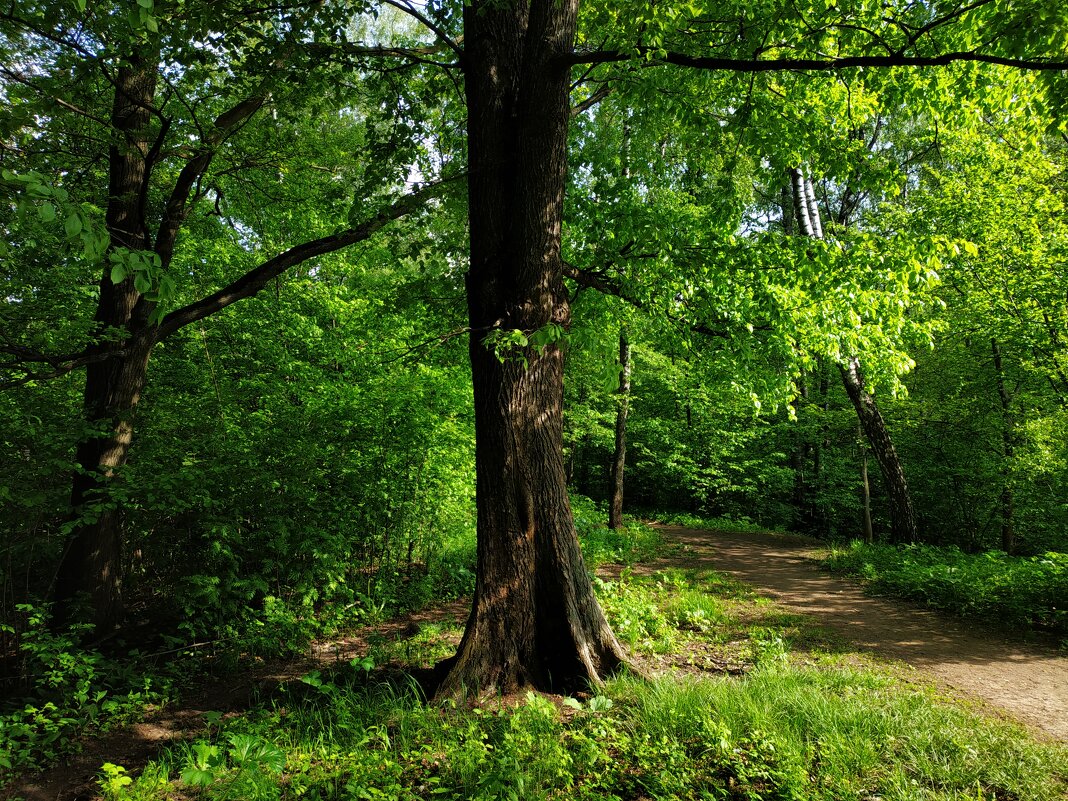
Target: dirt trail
1026 682
1020 680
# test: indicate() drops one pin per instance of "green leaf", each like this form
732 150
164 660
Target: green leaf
146 3
47 212
118 272
73 225
142 283
151 24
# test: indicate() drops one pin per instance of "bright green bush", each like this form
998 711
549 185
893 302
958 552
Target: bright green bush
1020 591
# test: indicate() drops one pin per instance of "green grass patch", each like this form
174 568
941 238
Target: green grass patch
1029 592
778 733
632 543
783 730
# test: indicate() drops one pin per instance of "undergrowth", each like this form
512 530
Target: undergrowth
694 520
790 728
1029 592
64 690
752 704
628 545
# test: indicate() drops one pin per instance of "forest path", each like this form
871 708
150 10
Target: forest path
1025 681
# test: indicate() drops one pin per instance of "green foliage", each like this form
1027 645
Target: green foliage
632 542
113 780
1025 592
66 690
244 770
690 520
780 731
785 734
635 618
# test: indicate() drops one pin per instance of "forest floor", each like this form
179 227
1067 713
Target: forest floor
1003 674
1023 680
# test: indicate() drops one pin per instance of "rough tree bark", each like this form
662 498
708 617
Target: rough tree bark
534 619
92 561
619 456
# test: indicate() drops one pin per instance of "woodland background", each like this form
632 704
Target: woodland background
304 459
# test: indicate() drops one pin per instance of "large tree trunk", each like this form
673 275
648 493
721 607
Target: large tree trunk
902 515
534 619
92 562
619 456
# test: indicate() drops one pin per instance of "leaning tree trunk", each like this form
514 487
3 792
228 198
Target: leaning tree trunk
92 562
902 514
534 619
619 455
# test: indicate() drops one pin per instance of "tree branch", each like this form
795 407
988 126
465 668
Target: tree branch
418 54
603 91
253 281
244 287
807 64
175 212
408 8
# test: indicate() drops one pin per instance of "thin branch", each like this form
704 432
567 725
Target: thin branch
417 54
176 211
603 91
438 31
256 279
807 64
59 101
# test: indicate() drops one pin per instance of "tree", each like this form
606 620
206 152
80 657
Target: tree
902 513
151 186
534 618
619 455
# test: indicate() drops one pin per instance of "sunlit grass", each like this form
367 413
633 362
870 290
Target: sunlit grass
801 722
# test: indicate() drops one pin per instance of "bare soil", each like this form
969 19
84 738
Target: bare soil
1021 680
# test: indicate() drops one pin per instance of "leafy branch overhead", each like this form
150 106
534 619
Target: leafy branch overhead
142 266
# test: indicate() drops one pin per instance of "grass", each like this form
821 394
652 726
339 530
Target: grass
779 732
1023 592
751 704
782 727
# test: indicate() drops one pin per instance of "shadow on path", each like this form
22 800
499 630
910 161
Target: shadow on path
1026 681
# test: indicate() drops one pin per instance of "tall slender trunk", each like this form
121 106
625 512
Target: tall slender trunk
797 180
865 487
1008 451
813 209
800 454
902 514
786 206
92 562
534 619
619 456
